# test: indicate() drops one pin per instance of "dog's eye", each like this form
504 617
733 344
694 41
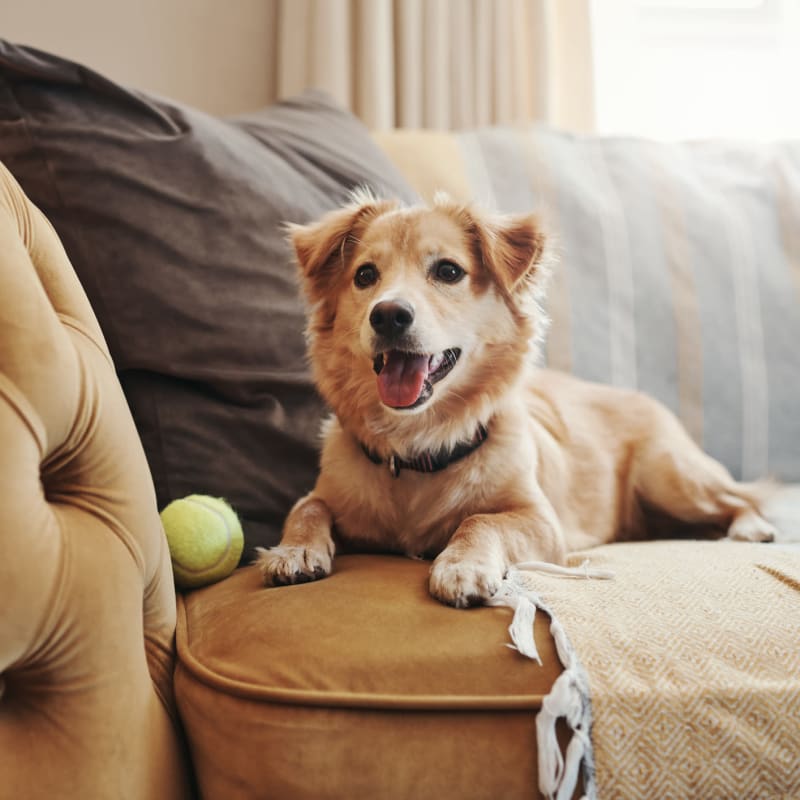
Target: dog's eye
448 272
366 275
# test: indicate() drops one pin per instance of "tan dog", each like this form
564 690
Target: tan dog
446 439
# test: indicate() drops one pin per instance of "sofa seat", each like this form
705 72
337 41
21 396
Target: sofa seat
359 685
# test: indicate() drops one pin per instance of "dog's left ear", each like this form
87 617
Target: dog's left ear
511 248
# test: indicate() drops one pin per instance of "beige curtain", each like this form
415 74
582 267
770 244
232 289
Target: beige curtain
439 63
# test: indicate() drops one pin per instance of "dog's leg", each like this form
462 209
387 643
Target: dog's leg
306 549
472 566
671 473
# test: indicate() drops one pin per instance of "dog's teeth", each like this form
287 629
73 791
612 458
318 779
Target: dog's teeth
435 362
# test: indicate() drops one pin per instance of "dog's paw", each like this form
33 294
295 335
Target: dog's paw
751 527
464 582
281 566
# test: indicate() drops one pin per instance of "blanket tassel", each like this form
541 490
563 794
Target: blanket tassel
569 696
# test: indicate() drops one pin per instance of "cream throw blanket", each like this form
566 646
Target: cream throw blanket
692 655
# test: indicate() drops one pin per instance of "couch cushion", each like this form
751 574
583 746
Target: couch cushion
679 269
172 220
360 685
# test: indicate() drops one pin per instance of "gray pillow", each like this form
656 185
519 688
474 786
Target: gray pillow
172 220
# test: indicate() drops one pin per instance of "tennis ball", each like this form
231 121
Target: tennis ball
205 539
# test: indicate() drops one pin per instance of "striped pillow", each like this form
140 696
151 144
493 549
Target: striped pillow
679 269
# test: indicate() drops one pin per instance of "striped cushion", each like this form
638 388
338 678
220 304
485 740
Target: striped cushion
679 269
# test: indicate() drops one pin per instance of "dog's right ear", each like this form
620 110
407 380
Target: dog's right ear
321 247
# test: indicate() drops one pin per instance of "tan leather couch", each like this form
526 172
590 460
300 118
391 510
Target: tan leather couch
86 592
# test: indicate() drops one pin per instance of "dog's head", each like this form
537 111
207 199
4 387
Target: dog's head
418 311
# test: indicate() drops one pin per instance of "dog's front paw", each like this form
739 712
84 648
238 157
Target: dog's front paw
464 582
281 566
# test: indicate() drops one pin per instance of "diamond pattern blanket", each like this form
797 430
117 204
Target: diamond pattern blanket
692 655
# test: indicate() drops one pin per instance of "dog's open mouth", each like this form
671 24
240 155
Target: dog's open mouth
405 380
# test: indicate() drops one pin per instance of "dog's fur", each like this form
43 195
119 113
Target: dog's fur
566 464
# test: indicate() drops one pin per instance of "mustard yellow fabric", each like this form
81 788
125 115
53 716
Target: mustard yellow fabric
358 685
87 606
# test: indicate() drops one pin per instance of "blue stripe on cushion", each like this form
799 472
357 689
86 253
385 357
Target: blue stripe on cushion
709 257
778 255
513 194
577 199
636 184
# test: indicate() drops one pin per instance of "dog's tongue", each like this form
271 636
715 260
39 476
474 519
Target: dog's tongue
401 380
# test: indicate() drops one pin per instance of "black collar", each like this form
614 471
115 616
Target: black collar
430 462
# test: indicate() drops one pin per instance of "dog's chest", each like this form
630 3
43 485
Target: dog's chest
415 513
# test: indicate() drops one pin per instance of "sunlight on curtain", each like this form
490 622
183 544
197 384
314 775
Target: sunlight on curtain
439 63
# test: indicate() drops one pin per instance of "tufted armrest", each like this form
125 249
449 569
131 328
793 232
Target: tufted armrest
87 606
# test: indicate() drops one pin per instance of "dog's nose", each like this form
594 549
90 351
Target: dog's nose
391 317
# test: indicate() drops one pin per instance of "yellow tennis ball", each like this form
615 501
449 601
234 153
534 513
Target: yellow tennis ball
205 539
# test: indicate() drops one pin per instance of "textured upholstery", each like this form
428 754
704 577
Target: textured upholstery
693 665
87 606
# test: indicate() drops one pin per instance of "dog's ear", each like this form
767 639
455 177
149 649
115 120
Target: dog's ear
511 247
321 247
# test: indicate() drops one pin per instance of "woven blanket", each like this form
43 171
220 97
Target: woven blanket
692 655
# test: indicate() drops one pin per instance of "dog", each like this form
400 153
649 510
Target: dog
447 441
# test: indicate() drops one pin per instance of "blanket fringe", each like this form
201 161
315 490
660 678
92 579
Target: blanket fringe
569 696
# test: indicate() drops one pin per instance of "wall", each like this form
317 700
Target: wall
209 53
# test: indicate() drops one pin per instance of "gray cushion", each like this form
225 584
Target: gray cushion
172 220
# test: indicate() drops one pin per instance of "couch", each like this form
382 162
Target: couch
159 352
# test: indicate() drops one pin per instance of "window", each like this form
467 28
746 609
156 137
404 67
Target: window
677 69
